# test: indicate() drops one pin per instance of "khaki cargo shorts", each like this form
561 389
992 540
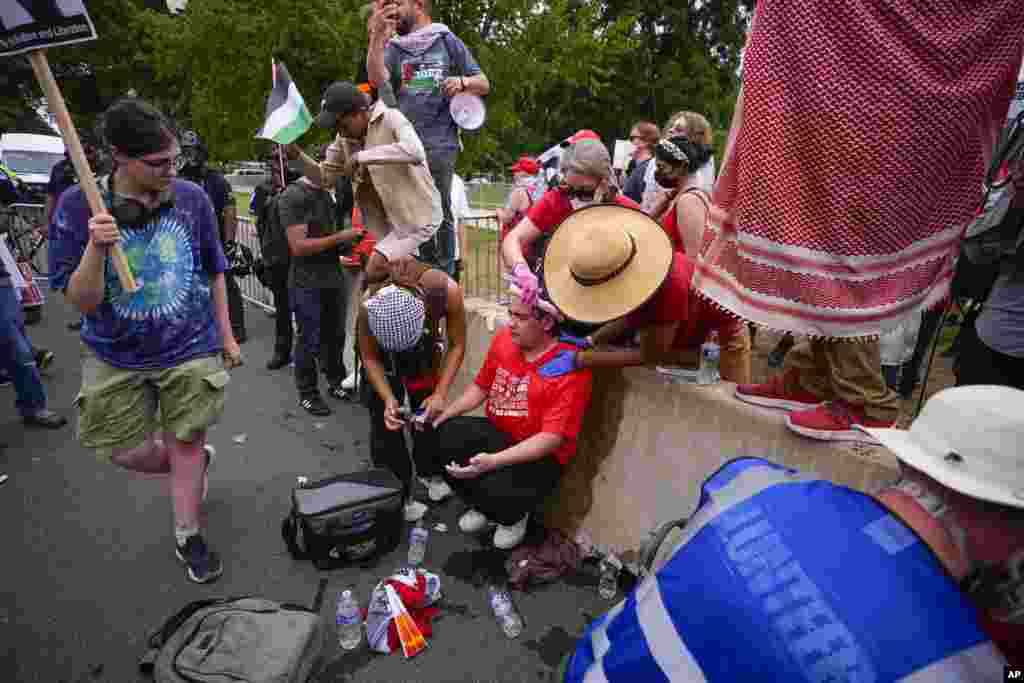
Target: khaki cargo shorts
119 408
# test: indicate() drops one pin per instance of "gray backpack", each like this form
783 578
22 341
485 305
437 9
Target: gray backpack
246 640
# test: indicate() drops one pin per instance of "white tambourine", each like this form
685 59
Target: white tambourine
468 111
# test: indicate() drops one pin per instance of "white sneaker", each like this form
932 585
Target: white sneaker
349 383
210 452
437 488
472 521
414 510
508 537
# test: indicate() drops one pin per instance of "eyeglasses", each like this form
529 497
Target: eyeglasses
634 137
162 164
585 194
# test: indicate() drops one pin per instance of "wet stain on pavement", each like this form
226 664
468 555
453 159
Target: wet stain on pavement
477 567
456 609
552 646
346 664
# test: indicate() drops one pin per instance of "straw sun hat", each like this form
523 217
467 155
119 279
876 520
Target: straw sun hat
604 261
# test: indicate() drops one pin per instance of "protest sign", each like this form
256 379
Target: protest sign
32 26
36 24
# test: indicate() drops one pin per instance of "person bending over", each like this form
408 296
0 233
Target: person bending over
404 351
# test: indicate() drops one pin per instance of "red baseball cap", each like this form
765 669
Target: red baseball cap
585 134
526 165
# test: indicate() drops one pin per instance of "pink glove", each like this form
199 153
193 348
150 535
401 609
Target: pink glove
526 282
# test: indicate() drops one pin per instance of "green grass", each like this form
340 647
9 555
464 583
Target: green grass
242 201
487 196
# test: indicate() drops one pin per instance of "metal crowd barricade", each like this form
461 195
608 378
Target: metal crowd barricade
252 290
481 276
28 242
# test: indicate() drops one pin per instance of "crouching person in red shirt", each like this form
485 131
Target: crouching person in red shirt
503 465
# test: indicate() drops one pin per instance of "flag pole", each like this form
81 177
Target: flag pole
280 156
55 102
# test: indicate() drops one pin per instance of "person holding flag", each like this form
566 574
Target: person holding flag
378 148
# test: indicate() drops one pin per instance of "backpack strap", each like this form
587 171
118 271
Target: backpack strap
290 534
458 68
163 634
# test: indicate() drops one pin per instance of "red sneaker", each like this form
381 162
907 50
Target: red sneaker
772 394
835 421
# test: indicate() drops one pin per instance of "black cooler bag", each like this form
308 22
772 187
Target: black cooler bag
344 519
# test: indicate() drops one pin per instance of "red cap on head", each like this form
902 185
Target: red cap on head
585 134
527 165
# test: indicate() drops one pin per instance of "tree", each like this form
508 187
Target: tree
554 67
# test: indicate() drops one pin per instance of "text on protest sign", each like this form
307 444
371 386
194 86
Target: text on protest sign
37 24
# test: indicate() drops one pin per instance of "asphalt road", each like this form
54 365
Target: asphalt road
90 572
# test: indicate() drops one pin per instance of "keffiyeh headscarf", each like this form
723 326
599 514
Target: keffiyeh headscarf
396 317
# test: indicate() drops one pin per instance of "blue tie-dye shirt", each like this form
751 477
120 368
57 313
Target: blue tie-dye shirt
174 257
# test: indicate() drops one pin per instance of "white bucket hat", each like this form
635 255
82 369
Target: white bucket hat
970 439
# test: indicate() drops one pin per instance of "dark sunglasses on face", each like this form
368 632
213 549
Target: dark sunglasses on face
585 194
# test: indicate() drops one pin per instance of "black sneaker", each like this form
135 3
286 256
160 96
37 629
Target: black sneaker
279 361
315 405
202 565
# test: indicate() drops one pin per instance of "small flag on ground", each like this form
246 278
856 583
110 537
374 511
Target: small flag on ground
287 116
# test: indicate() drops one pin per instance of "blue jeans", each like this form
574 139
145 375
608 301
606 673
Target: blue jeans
17 356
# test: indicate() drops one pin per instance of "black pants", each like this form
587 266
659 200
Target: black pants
387 448
977 363
440 251
504 495
236 307
282 304
316 311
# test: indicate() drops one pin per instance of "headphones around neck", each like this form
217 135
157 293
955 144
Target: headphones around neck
130 211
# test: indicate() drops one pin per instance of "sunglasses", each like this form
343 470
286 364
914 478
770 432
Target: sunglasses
585 194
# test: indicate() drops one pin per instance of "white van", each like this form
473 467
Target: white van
32 157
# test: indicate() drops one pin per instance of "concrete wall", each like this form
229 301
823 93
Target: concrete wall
646 446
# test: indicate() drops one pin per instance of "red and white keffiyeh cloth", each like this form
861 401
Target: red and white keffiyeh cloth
856 157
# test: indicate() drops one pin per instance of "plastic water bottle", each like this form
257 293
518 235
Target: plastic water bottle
349 619
504 611
710 353
418 544
609 584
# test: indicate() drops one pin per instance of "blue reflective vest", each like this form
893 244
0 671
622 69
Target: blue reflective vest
783 577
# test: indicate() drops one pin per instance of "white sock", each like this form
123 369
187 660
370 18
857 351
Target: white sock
182 535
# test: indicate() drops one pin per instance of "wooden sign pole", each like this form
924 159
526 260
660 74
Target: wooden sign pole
55 102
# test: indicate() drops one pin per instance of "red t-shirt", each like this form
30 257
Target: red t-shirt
554 206
675 302
521 403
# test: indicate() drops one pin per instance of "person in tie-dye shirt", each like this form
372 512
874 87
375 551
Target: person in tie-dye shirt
153 379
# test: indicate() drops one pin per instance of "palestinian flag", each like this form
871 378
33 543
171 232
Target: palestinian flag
287 116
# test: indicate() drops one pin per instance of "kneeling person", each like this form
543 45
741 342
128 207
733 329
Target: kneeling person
503 465
405 352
